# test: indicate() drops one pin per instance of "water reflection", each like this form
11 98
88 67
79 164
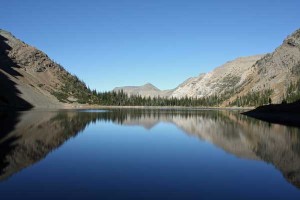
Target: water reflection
28 137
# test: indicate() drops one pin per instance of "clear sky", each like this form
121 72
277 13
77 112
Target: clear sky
114 43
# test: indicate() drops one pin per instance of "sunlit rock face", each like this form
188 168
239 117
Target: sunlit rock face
219 81
276 71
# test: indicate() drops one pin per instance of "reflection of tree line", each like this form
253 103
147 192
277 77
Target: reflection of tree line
74 122
121 115
26 143
29 137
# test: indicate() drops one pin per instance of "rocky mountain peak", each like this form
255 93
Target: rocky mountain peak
293 39
150 86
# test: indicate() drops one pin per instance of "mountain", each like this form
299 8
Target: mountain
144 90
245 76
275 71
29 78
219 81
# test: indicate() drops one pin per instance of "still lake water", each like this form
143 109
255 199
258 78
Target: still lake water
146 154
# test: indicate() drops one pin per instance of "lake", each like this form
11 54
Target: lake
146 154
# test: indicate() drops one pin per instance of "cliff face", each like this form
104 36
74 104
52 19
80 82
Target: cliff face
29 78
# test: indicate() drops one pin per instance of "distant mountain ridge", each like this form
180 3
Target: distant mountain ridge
218 81
145 90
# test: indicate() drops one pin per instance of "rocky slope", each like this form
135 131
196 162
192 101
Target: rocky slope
144 90
275 71
220 80
29 78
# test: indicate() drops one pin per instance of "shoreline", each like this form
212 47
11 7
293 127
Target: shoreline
285 114
98 107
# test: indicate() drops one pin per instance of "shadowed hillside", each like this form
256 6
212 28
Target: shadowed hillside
29 78
9 93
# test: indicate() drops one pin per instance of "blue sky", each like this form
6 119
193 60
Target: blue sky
114 43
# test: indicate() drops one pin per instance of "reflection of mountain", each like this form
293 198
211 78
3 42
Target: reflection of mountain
35 135
238 135
32 135
274 144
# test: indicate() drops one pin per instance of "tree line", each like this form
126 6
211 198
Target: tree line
293 92
120 98
84 95
257 98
